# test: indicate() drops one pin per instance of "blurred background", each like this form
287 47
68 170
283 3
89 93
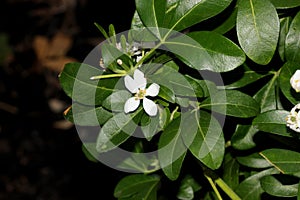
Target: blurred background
40 152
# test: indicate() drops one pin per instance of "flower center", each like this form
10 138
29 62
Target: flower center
140 94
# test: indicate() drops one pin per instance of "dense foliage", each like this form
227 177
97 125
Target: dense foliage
196 93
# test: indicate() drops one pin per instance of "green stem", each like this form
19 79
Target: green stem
213 186
107 76
227 189
213 178
149 54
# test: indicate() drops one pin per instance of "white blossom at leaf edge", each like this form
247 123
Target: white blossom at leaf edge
137 86
295 81
293 119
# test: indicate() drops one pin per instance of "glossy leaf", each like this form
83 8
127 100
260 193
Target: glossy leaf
245 77
292 47
152 13
250 188
266 96
137 186
116 101
232 103
226 54
242 139
171 148
227 24
284 28
286 161
274 187
181 14
231 170
187 188
152 125
287 71
176 82
254 161
207 143
76 83
258 29
272 122
285 4
87 115
116 131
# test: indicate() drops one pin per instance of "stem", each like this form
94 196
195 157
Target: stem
213 186
146 56
227 189
107 76
213 177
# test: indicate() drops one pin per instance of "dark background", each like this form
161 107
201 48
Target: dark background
40 152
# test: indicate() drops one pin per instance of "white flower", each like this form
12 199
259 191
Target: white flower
295 81
137 86
293 119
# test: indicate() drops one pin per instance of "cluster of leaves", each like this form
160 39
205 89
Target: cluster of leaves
254 45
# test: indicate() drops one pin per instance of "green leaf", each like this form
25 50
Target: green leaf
188 187
245 77
258 29
226 54
228 23
152 13
286 161
274 187
76 83
266 96
254 161
87 115
183 14
170 78
166 93
287 71
285 4
207 143
102 30
250 188
139 162
292 47
272 122
116 101
284 28
231 170
171 148
232 103
242 139
137 186
152 125
116 131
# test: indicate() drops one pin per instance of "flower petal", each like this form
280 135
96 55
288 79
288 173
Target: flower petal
139 79
131 104
152 90
150 107
131 84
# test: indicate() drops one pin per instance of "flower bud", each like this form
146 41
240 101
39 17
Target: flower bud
295 81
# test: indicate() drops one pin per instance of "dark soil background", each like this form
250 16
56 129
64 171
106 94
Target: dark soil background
40 152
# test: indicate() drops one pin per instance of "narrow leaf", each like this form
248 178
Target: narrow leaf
76 83
184 12
116 131
137 186
272 122
250 188
292 47
207 143
274 187
286 161
242 139
87 115
232 103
